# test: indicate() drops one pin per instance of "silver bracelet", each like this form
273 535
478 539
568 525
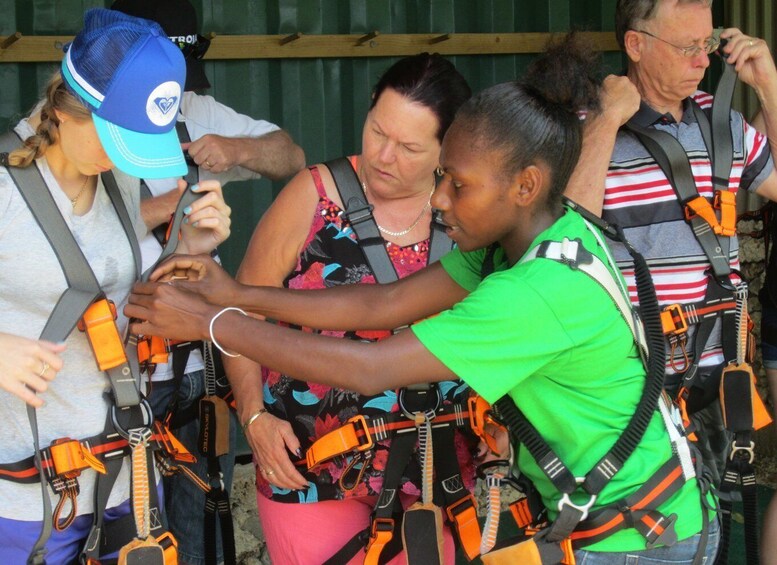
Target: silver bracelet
213 338
252 418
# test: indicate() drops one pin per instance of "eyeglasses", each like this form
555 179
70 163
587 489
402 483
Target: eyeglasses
195 50
710 45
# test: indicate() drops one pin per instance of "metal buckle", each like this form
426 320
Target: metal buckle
431 412
676 311
750 450
147 413
583 508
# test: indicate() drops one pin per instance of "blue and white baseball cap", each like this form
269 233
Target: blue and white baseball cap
129 74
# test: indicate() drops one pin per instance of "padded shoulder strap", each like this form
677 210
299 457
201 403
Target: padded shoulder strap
82 284
82 290
359 213
439 242
573 254
673 160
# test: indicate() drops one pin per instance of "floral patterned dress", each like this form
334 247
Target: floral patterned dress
331 256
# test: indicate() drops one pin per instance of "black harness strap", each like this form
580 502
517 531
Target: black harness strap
358 212
192 177
386 516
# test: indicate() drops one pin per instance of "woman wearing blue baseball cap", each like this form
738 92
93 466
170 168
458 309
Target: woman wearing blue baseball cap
108 118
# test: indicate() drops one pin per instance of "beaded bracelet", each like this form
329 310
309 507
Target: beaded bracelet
213 338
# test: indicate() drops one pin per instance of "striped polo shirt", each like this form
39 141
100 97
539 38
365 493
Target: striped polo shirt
639 198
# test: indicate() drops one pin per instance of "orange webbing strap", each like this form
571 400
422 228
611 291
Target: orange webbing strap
464 517
675 318
491 527
682 405
99 323
381 533
170 445
569 552
344 439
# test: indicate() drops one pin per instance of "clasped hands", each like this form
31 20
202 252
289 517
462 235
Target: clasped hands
183 294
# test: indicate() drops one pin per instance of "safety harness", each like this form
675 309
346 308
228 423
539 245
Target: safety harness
733 383
423 421
129 430
212 411
576 525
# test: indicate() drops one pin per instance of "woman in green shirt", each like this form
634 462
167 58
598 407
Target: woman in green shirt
537 330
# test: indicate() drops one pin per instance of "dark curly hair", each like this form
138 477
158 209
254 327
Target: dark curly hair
536 118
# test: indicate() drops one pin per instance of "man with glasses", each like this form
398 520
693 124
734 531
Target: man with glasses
668 45
226 146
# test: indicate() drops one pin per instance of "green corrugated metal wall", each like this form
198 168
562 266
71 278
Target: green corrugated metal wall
320 102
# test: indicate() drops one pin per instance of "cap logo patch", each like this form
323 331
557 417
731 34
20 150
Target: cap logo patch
165 104
162 103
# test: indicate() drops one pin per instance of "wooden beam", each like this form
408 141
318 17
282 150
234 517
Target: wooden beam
48 48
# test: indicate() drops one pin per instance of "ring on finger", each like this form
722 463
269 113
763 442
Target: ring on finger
44 369
269 472
207 163
750 43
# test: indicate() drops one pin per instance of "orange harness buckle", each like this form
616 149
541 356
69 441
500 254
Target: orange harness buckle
381 532
344 439
69 458
480 419
99 323
726 202
152 350
673 320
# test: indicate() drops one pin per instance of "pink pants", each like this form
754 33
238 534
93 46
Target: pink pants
309 534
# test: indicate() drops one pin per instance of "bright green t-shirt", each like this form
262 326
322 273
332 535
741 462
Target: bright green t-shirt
551 338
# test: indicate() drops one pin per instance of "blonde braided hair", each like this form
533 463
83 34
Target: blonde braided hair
58 97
